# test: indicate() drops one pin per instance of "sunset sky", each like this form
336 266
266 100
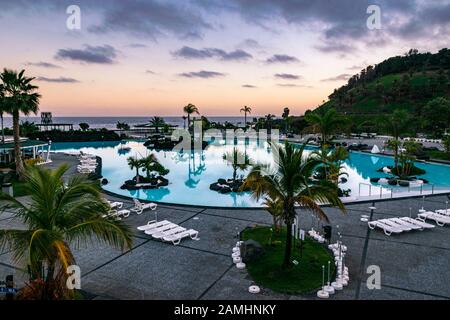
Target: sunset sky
153 57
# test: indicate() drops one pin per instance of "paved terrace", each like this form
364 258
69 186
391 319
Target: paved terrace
414 265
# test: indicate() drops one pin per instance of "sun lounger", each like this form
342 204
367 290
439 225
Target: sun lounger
115 204
439 219
417 222
170 232
407 224
388 230
139 207
153 224
176 238
395 225
444 212
161 229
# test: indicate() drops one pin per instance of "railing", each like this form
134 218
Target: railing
380 191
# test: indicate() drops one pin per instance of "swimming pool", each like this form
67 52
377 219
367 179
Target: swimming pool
192 173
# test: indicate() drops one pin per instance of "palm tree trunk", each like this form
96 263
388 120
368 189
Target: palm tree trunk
48 282
245 120
20 170
137 174
189 122
3 129
288 249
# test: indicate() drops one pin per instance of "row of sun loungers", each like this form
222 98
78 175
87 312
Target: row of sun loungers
168 231
117 212
399 225
441 217
88 163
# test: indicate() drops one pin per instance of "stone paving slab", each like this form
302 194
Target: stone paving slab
144 273
257 216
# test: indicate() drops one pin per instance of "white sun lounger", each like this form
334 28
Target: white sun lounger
115 204
165 227
395 224
153 224
444 212
407 224
176 238
417 222
139 207
439 219
170 232
388 230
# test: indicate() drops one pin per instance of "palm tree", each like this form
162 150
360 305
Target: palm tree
332 163
190 109
288 182
396 124
58 215
285 116
238 160
135 163
157 122
268 119
22 98
326 123
2 109
151 164
246 110
184 122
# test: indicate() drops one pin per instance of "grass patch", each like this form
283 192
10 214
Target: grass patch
304 277
440 155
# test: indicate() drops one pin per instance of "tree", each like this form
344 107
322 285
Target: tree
84 126
332 163
20 96
268 121
285 116
135 163
238 160
58 214
2 109
122 126
246 110
326 123
190 109
27 128
157 122
150 164
436 114
184 122
396 124
446 143
288 182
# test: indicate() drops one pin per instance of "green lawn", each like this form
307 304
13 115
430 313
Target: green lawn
304 277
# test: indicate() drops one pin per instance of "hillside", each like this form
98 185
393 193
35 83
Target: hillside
404 82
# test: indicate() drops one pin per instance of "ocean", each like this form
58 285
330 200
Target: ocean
110 122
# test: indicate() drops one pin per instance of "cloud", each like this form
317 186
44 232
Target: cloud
341 77
292 85
249 86
152 19
43 65
287 76
149 72
208 53
333 47
57 80
90 54
202 74
137 45
250 43
282 58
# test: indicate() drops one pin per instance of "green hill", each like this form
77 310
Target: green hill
406 82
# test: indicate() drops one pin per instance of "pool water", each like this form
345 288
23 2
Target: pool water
192 173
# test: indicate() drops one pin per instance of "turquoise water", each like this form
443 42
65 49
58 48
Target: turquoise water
192 173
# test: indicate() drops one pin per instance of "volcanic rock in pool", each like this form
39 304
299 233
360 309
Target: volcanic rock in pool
222 181
403 183
105 181
215 186
225 190
392 182
374 180
344 180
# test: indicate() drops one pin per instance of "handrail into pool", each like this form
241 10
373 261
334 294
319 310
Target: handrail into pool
391 191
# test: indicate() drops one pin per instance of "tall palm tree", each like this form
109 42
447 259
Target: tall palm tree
184 122
135 163
246 110
238 160
326 123
157 122
396 124
190 109
269 119
2 109
22 98
288 182
151 164
58 215
285 116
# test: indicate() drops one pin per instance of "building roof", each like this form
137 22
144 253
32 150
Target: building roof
23 144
